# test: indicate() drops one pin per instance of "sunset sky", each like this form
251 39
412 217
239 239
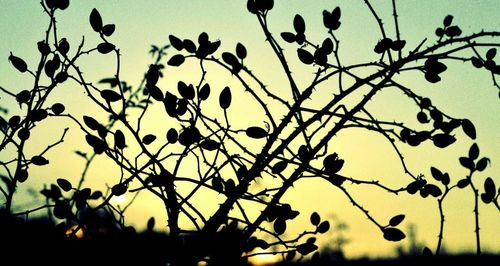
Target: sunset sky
465 92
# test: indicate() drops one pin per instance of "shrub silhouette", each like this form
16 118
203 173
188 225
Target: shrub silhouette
213 152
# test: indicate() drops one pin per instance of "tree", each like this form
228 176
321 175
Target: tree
210 150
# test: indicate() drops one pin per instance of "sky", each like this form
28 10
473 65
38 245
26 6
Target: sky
464 93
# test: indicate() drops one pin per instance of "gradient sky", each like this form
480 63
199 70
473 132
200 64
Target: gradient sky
464 93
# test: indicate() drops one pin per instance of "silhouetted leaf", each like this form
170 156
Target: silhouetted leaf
18 63
298 24
21 175
63 46
91 122
108 29
490 65
203 38
225 98
182 107
23 134
119 139
445 179
396 220
462 183
241 51
398 45
51 4
155 92
426 252
189 136
51 66
303 152
217 184
331 20
176 60
476 62
96 143
110 96
432 190
151 224
315 219
305 57
306 248
14 121
61 77
489 191
23 96
436 173
230 59
113 82
64 184
38 115
447 20
432 65
210 145
95 20
62 210
172 136
415 186
229 187
288 37
443 140
170 104
176 42
300 38
432 77
393 234
148 139
152 75
333 163
468 128
251 6
279 226
336 13
425 103
43 48
189 45
323 227
474 151
453 31
440 32
187 92
119 189
320 57
267 4
279 167
262 244
422 117
491 53
204 92
436 115
39 160
466 162
383 45
327 46
96 195
482 164
256 132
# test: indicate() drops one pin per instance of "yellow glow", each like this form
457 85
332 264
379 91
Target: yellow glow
78 234
263 259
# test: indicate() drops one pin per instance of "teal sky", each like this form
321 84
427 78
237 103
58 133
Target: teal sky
464 93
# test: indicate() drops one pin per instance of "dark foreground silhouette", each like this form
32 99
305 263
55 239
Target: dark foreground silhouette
40 241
